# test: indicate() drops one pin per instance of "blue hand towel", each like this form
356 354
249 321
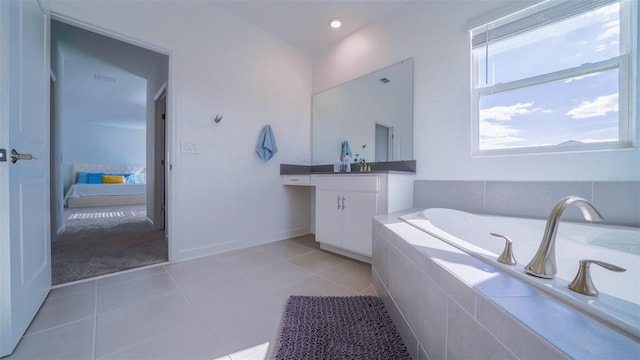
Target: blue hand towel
266 146
346 150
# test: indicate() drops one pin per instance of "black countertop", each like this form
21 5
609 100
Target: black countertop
405 166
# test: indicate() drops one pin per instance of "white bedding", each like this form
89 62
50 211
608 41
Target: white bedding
83 190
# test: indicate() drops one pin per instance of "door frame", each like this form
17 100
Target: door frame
390 139
170 127
160 157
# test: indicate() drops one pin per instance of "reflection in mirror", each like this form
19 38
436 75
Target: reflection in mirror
374 113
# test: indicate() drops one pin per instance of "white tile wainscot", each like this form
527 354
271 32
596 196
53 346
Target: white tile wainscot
449 305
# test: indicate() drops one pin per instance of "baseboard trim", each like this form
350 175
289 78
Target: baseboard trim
213 249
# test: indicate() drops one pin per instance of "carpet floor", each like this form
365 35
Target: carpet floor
334 327
104 240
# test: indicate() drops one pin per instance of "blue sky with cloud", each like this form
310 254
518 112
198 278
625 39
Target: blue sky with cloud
580 108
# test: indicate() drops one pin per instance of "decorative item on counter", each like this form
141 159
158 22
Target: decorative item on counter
266 146
364 167
345 150
346 164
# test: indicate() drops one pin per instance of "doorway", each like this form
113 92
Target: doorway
384 143
105 138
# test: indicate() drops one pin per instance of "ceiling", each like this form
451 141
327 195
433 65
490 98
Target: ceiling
305 23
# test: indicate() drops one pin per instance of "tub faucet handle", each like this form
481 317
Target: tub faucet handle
582 283
507 254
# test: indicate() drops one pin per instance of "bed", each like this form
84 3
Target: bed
88 189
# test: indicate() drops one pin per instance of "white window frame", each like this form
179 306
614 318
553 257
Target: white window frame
627 71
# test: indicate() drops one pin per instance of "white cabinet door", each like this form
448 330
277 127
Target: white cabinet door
358 212
329 217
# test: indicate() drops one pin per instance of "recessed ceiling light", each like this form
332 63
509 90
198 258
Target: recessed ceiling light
335 23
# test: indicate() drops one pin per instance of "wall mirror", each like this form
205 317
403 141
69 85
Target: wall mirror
373 112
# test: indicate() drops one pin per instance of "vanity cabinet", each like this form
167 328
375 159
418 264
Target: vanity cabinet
346 205
296 180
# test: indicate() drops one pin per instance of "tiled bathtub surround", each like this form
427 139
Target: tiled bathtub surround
449 305
617 201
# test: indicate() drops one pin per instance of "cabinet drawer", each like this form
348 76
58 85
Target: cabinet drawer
299 180
357 183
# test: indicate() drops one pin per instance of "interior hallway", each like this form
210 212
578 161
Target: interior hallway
226 306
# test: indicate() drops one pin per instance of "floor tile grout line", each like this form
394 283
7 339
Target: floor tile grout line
300 267
287 258
336 283
318 274
315 251
132 279
137 303
56 298
200 316
58 326
143 340
321 271
137 343
49 297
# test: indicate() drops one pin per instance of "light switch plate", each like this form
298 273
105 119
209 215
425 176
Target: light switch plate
189 146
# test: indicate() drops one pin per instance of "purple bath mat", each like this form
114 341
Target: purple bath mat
333 327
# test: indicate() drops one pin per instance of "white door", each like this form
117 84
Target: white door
25 234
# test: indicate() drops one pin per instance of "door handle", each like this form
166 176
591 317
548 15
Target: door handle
15 156
344 206
338 202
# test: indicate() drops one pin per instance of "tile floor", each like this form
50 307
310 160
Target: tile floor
226 306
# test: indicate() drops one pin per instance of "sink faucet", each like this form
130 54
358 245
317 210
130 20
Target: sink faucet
543 263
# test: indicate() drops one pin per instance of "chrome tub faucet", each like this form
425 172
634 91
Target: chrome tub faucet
543 263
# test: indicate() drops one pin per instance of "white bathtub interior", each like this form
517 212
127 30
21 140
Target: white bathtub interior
619 298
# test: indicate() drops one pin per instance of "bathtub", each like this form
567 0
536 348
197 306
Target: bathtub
619 298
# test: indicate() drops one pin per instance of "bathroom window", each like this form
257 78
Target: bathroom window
555 77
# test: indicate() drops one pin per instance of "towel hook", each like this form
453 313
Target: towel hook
217 118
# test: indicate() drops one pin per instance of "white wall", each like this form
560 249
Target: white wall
87 136
435 34
91 143
225 197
